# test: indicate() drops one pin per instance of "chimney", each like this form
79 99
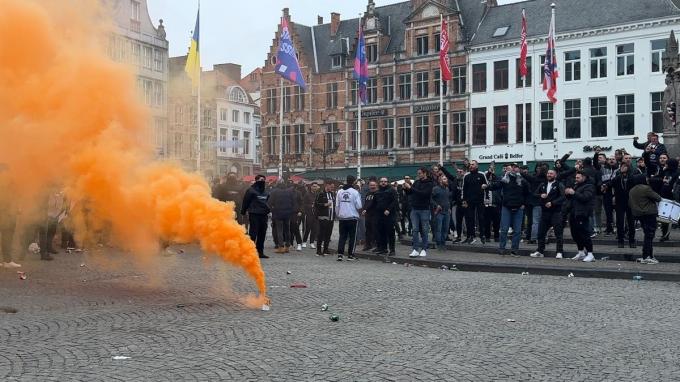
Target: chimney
319 20
335 23
286 14
491 3
232 71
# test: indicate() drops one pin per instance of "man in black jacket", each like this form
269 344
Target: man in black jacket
324 206
582 198
255 204
385 211
311 227
621 185
473 201
515 191
420 193
370 215
551 195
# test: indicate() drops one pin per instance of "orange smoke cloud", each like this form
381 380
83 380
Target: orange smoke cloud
70 117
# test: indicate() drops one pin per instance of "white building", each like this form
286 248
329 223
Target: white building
138 42
236 131
610 80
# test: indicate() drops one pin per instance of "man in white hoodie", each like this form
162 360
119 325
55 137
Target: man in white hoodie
347 205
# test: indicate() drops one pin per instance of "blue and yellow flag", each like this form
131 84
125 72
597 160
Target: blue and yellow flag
193 66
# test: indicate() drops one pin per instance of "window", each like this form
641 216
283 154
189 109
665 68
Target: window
501 31
147 56
286 99
479 77
273 140
299 138
598 63
271 101
459 75
459 125
388 88
421 84
519 115
404 86
436 84
598 117
437 42
547 122
625 60
479 126
223 114
405 132
286 139
422 45
223 141
353 91
422 130
234 116
437 138
331 144
625 114
299 99
158 94
658 49
246 118
353 136
518 79
500 125
179 114
158 60
657 112
500 75
234 141
372 134
135 7
372 53
572 66
338 61
542 68
179 144
148 91
246 142
237 95
136 53
206 118
332 95
572 118
372 90
388 133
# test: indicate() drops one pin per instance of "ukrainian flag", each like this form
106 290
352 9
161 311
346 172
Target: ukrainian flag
193 66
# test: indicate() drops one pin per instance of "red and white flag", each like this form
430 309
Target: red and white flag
523 48
550 65
444 64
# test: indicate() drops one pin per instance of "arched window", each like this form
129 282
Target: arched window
237 95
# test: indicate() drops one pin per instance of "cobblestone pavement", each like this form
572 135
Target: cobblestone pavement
397 323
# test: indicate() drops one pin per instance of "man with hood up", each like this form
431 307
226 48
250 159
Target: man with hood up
255 205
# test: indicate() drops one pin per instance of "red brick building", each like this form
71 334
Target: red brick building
400 123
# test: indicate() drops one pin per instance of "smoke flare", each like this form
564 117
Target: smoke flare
71 118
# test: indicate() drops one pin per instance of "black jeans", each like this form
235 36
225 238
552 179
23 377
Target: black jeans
371 230
47 231
6 239
311 226
579 232
295 221
608 205
529 215
474 210
406 216
648 223
624 221
551 218
258 231
324 237
492 222
460 215
348 231
385 234
283 232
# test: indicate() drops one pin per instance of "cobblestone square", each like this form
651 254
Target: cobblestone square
397 323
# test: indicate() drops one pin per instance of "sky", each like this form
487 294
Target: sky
241 31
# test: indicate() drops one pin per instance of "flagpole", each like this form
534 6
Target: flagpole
281 131
198 98
441 103
359 133
554 53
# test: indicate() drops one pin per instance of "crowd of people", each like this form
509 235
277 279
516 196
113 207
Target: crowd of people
599 195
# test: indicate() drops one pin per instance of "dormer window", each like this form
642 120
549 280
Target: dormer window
338 61
501 31
237 95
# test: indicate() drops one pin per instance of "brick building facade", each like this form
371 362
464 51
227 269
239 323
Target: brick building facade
400 121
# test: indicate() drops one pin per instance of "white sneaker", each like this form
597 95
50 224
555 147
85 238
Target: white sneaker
651 260
414 254
590 258
298 248
312 246
422 253
536 254
304 245
12 264
455 235
579 256
558 255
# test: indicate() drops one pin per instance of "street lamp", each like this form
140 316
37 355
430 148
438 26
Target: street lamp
328 147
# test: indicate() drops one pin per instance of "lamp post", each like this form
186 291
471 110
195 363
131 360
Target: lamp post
328 147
